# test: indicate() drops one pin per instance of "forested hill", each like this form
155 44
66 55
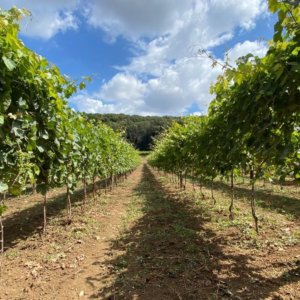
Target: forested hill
139 130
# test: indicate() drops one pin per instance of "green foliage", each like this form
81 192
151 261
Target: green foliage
254 120
42 140
139 131
2 209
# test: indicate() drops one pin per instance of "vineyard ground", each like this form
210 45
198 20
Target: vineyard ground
149 240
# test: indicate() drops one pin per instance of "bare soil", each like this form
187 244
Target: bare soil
147 239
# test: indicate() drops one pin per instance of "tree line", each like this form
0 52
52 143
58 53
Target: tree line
139 131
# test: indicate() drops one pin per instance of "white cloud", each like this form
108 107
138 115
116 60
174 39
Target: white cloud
197 113
179 86
48 17
164 76
136 18
205 24
123 88
84 103
173 92
240 49
176 22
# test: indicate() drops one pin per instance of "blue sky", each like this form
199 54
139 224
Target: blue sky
143 55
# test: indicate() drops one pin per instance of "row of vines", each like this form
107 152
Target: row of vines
43 142
253 124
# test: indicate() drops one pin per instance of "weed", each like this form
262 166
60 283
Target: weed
12 254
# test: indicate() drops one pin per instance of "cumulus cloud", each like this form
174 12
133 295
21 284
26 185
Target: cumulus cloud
257 48
179 86
181 80
165 76
85 103
135 18
123 88
205 24
197 113
48 17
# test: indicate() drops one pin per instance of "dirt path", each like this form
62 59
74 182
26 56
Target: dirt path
93 275
67 269
148 240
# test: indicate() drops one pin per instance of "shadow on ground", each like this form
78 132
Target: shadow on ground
168 253
23 224
280 203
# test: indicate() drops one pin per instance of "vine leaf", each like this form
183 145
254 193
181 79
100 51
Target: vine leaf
10 64
3 187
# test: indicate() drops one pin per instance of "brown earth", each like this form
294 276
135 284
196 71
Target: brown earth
149 240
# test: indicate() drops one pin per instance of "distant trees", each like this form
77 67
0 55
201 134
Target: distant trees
139 131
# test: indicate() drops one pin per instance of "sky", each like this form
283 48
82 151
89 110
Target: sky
143 56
